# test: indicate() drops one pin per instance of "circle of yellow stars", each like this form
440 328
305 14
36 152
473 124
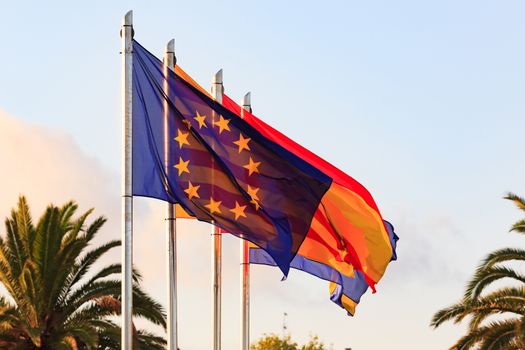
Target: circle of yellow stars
192 191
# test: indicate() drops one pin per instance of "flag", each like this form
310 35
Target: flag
330 226
216 166
345 291
347 232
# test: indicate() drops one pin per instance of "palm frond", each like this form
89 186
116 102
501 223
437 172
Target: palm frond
507 296
85 334
146 307
113 269
520 332
6 274
498 335
455 312
150 341
82 267
75 228
503 255
519 201
47 244
14 246
143 305
485 276
519 226
92 229
65 215
68 257
470 340
67 343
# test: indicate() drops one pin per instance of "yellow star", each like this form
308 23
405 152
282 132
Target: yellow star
242 143
192 191
255 204
214 206
238 210
182 166
182 138
252 166
223 124
252 192
200 119
188 123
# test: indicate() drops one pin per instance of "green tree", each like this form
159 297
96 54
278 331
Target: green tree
54 300
314 344
274 342
496 318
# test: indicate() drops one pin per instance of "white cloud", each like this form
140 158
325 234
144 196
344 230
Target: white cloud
47 166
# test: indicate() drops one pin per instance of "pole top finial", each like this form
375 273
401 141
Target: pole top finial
128 18
217 78
170 46
247 99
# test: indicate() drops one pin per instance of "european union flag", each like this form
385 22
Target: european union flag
189 149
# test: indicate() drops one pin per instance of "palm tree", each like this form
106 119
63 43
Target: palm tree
54 300
496 315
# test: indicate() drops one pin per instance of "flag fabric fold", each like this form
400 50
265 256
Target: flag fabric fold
344 291
348 293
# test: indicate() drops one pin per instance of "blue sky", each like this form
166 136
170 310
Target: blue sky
422 102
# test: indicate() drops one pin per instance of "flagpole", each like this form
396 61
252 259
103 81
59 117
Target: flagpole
245 265
217 89
127 199
171 224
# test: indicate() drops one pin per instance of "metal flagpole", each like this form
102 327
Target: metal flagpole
127 199
245 266
216 91
171 224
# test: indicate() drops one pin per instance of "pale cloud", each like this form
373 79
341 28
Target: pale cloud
47 166
426 252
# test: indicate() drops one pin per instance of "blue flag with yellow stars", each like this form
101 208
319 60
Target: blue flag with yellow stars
190 150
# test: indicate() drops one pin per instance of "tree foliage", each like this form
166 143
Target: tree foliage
314 344
496 316
274 342
55 300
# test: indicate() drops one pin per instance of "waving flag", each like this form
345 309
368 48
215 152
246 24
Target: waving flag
295 199
347 232
220 168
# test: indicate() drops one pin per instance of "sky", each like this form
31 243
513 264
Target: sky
422 102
